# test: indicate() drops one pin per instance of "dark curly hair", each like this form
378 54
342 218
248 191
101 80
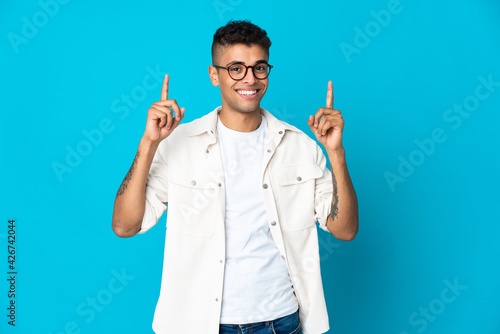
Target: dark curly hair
239 32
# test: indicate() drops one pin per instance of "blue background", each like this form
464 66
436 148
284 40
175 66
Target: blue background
441 224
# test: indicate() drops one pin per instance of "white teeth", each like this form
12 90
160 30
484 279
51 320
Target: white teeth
247 92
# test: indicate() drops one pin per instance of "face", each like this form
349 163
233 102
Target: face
244 95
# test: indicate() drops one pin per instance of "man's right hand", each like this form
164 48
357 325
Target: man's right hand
161 118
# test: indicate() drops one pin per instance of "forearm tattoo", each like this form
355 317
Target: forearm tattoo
127 178
335 204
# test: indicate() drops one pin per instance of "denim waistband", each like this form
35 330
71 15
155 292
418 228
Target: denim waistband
265 323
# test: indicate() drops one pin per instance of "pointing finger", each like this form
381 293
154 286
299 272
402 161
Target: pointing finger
329 95
164 90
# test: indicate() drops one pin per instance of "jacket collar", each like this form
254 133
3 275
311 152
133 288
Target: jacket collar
208 123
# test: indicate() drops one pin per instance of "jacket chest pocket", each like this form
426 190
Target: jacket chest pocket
193 202
296 190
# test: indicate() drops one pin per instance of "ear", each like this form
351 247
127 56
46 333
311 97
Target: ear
214 76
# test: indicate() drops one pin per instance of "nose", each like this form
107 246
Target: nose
249 77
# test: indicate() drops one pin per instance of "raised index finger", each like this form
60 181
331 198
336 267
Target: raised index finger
329 95
164 90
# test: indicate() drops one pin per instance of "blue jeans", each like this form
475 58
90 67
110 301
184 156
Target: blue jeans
289 324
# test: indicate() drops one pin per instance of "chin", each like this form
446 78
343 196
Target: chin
248 107
247 110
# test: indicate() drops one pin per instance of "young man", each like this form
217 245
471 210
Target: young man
244 191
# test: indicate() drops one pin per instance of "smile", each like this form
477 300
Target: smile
247 93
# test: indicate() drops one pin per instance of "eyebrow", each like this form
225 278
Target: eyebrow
234 62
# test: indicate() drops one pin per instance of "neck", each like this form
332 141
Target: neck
239 121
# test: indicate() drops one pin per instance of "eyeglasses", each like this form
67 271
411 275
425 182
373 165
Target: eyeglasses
239 71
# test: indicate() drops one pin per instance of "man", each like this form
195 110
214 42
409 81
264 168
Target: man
244 191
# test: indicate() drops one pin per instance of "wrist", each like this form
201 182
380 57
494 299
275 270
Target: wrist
338 152
336 156
147 146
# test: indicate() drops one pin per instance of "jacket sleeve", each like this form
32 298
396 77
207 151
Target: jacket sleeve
323 192
156 191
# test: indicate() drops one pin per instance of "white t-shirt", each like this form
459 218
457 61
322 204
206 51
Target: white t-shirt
257 286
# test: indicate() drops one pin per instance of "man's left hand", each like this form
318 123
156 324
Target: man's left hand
328 124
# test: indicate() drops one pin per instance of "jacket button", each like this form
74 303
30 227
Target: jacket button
281 132
193 183
273 223
216 299
268 151
299 178
264 186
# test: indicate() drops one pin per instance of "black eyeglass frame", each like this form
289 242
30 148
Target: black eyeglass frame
246 70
